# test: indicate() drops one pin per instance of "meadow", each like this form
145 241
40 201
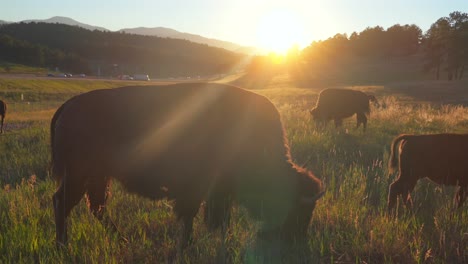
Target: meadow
349 224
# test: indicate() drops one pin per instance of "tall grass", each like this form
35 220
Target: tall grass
349 223
24 152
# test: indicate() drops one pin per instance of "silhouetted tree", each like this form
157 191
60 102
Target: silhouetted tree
403 40
446 44
458 44
370 43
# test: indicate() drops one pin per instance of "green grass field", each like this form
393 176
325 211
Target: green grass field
349 224
6 67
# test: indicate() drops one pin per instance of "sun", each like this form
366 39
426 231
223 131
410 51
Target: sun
279 30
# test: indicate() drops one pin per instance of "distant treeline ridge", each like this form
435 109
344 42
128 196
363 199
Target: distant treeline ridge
75 49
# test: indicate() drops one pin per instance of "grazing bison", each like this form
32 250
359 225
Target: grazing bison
188 143
337 104
3 108
441 157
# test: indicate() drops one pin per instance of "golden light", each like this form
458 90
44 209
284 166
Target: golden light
276 58
279 30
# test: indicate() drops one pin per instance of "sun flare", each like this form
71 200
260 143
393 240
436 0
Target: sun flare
279 30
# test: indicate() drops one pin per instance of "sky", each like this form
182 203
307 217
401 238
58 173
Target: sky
247 22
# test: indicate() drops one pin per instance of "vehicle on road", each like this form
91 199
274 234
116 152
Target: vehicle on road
141 77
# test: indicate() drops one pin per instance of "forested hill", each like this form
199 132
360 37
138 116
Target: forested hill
79 50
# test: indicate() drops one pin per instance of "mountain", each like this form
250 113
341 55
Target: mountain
171 33
66 21
154 31
105 53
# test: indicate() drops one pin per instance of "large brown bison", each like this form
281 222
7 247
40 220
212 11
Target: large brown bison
337 104
185 142
441 157
3 108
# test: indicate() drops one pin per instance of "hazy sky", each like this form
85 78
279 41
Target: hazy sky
247 22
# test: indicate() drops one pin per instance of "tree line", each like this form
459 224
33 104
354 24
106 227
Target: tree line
373 42
446 45
75 49
443 48
23 52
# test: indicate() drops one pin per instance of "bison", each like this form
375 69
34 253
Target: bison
185 142
337 104
3 108
440 157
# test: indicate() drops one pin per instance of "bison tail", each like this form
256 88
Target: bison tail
393 162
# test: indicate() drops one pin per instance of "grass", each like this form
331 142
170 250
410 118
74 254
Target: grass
348 225
13 68
52 90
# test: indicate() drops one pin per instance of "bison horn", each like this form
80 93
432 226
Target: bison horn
312 200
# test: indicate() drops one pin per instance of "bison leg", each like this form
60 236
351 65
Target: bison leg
361 119
186 210
338 122
218 214
402 188
460 196
320 124
217 210
67 196
98 191
393 193
1 129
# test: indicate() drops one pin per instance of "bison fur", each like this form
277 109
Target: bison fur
336 104
187 143
440 157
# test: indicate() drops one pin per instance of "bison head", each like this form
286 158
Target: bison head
313 112
318 117
297 222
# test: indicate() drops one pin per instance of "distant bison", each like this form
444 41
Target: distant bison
3 108
441 157
337 104
184 142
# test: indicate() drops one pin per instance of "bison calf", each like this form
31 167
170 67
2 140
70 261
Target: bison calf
337 104
3 108
441 157
187 143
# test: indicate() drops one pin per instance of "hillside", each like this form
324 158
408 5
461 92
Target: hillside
171 33
152 31
110 53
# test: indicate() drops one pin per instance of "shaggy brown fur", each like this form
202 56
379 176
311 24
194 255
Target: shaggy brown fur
441 157
3 108
183 142
337 104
